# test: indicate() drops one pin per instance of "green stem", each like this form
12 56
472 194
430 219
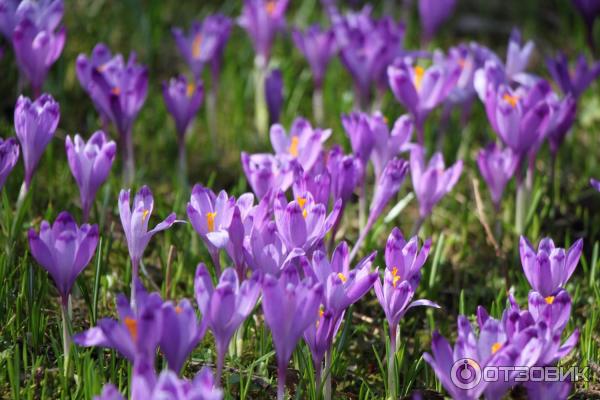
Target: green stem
327 388
392 364
318 110
65 332
260 101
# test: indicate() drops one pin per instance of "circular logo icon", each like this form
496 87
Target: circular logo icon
465 373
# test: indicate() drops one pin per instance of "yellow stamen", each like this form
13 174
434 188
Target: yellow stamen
549 299
271 5
116 90
145 214
197 46
131 325
395 276
419 73
191 88
305 213
210 221
510 99
178 310
321 313
301 202
496 346
342 277
293 149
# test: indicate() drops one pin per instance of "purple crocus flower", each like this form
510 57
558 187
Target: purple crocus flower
63 250
367 47
395 296
342 287
389 144
517 55
8 17
318 184
302 222
577 81
266 173
358 127
240 228
563 112
181 334
403 262
266 251
204 43
497 166
210 216
183 99
138 331
226 306
433 181
262 19
388 185
400 281
318 46
35 124
420 90
404 259
84 67
9 155
289 306
549 269
303 144
490 349
145 385
433 13
36 42
345 172
519 117
134 219
274 94
118 90
90 165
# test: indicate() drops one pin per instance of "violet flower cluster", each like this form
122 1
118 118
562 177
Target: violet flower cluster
32 27
523 338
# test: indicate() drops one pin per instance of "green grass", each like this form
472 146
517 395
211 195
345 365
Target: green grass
463 269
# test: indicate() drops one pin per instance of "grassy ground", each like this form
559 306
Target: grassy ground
464 269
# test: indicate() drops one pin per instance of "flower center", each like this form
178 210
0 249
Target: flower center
116 90
210 221
293 149
511 99
495 347
190 89
395 276
178 310
549 299
131 325
271 5
321 313
419 73
342 277
197 46
302 202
